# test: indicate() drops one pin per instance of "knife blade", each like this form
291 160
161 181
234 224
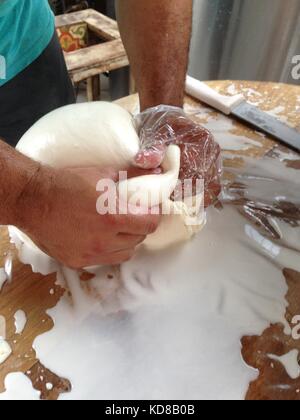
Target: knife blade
238 107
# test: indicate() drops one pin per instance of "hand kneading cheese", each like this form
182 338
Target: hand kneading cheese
102 134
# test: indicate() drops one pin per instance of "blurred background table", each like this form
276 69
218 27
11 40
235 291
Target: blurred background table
92 46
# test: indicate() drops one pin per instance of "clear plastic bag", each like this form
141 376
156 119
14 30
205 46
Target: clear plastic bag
161 126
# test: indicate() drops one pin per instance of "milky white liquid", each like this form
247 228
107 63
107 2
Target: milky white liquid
169 324
290 363
178 331
5 350
20 321
18 387
2 327
3 278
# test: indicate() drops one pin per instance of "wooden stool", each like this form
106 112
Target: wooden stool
105 51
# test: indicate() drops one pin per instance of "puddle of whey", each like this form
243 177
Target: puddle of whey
169 325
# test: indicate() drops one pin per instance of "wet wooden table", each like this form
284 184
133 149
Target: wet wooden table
31 292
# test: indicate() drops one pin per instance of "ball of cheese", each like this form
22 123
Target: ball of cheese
103 134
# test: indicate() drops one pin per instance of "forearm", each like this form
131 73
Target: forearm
18 187
156 35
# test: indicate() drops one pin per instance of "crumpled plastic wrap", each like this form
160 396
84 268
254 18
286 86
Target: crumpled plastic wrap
162 126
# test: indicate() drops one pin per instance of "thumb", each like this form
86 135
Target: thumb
137 172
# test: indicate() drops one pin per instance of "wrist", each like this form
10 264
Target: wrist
157 97
152 104
33 198
155 117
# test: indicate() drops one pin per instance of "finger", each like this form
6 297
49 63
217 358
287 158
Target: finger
125 241
152 157
113 258
94 174
138 224
122 242
136 172
109 173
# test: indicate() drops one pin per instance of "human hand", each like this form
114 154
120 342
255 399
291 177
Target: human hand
200 155
60 217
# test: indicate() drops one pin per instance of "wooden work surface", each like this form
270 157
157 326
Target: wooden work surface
31 292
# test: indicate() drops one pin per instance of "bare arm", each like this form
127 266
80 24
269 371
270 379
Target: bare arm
156 34
57 209
17 173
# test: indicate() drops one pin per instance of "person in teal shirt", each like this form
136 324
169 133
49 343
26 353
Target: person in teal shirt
26 30
57 207
33 67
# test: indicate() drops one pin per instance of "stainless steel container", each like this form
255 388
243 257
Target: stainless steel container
245 40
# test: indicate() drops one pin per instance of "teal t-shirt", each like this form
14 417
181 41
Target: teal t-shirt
26 28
